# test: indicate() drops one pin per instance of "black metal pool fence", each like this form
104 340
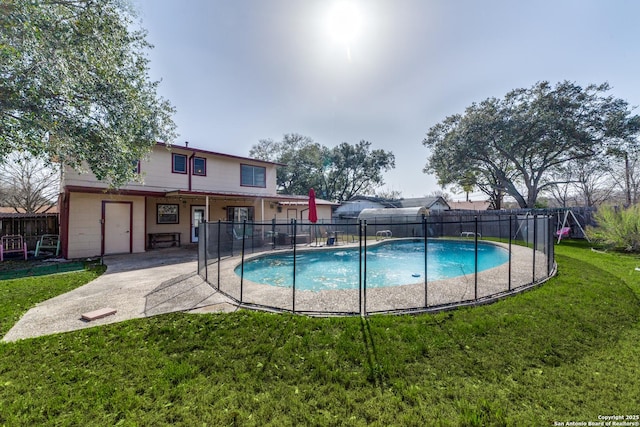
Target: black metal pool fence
224 247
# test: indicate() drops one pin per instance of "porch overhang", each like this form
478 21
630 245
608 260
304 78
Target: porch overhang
218 195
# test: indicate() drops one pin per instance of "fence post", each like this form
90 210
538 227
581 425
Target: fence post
360 267
273 233
295 230
205 229
551 253
510 238
424 231
475 276
364 283
244 229
535 243
219 233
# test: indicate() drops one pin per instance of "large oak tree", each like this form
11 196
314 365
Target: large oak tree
337 173
515 144
74 85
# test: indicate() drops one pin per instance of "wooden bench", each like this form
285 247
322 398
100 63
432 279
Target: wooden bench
48 241
12 244
170 239
300 239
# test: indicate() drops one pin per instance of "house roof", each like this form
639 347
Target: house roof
412 212
391 203
283 199
426 202
412 202
9 212
214 153
478 205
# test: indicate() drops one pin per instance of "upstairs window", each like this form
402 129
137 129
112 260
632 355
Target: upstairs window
200 166
253 176
179 163
135 165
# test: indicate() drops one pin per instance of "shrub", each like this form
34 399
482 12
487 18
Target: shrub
617 229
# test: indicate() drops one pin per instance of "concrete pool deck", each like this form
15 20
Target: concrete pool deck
165 281
441 293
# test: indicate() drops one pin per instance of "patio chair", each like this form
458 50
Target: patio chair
12 244
48 241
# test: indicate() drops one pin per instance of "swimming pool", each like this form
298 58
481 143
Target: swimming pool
388 264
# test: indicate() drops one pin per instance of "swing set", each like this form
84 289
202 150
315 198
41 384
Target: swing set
564 228
565 225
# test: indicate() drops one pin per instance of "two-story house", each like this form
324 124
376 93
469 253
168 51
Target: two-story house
180 187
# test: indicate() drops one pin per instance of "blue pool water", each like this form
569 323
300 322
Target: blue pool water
389 264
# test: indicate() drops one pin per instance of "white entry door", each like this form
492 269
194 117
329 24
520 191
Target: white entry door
197 216
117 227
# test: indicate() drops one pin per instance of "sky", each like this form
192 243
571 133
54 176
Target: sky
384 71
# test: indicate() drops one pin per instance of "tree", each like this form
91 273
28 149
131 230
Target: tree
626 175
355 169
513 145
336 174
388 194
445 196
302 160
27 184
74 86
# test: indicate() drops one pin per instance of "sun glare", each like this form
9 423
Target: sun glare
344 22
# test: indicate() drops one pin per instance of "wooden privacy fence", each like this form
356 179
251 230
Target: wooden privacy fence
30 226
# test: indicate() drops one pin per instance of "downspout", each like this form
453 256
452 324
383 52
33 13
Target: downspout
63 222
190 168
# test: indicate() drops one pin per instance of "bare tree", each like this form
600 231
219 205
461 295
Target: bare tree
627 176
441 193
27 184
388 193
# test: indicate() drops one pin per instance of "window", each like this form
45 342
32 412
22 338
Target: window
238 214
179 163
253 176
136 166
200 166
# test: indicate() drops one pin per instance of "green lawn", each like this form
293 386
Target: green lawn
566 351
18 295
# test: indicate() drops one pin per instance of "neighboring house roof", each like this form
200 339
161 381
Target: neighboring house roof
408 213
427 202
478 205
290 200
412 202
7 211
389 203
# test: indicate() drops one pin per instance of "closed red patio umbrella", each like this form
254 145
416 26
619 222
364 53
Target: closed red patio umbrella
313 212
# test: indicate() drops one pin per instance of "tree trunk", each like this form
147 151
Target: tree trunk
627 180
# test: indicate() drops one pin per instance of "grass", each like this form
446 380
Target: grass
566 351
19 295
